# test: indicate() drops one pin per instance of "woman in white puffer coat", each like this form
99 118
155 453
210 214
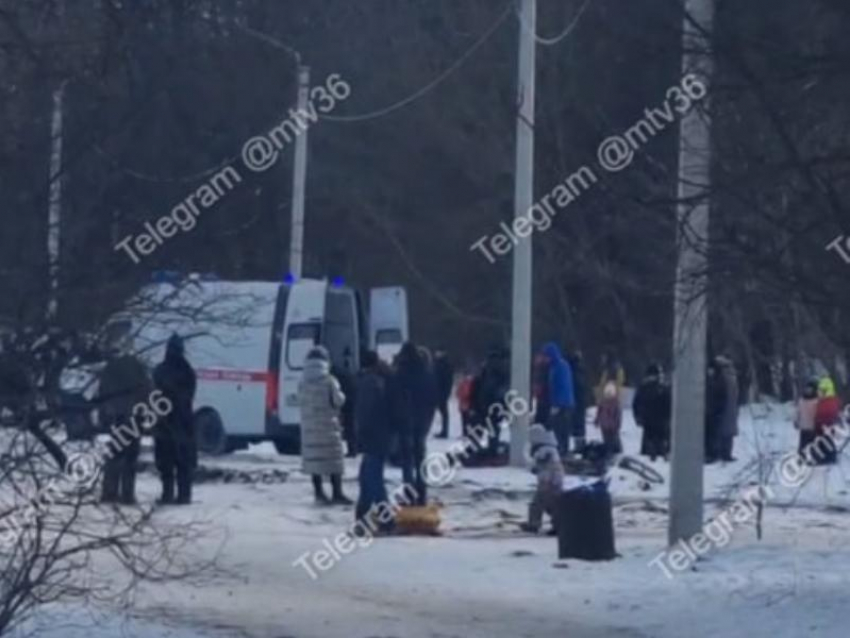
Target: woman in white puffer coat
320 399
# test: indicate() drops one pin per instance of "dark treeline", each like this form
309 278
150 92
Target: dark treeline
160 93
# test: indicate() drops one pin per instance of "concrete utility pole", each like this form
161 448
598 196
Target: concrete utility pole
524 196
54 207
299 179
691 311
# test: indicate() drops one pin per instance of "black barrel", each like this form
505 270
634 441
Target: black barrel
586 523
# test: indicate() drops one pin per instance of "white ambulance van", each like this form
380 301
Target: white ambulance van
248 340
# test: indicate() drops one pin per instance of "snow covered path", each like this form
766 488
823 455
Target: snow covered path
484 579
498 584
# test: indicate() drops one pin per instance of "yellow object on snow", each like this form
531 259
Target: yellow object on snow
418 520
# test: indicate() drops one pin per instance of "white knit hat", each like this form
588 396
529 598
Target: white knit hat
538 435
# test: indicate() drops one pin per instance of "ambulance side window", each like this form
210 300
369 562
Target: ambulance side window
300 338
389 336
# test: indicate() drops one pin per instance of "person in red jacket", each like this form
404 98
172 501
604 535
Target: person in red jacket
822 451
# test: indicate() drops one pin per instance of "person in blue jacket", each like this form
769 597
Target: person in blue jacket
561 396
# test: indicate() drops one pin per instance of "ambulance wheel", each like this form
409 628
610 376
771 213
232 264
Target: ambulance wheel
209 430
285 446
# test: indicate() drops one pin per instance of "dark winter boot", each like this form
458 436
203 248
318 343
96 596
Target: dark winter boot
319 491
128 485
110 484
578 444
184 486
167 497
350 444
338 497
444 421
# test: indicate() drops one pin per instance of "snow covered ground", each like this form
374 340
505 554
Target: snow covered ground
484 578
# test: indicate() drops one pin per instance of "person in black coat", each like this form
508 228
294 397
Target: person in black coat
373 420
715 406
348 385
488 396
174 439
444 374
579 414
414 402
652 411
542 404
15 386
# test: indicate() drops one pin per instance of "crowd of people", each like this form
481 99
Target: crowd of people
392 414
561 397
385 414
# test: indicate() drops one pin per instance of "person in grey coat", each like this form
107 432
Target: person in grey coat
124 385
729 419
322 452
550 477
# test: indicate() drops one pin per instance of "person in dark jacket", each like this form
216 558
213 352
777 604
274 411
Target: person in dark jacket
431 392
652 411
174 439
374 428
729 419
444 374
414 402
542 404
124 386
348 385
489 389
15 386
561 396
579 414
715 407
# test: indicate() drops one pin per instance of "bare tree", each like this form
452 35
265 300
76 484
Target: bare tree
58 543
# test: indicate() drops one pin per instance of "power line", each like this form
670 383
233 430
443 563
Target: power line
337 118
431 85
570 27
157 179
270 40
